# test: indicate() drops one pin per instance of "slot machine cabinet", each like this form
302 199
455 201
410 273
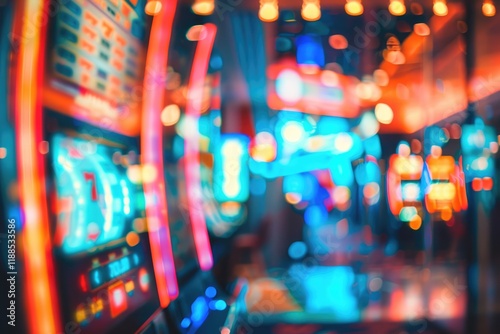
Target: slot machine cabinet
445 193
201 304
404 185
89 261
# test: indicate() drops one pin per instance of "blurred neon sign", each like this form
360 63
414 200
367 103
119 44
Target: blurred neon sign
231 174
293 89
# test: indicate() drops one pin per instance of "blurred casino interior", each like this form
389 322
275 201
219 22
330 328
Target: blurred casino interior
250 166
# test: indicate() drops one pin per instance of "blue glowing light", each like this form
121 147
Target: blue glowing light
110 271
310 50
118 268
297 250
185 323
199 311
210 292
96 277
220 305
216 62
316 215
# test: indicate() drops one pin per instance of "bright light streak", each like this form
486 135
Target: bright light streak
192 149
152 154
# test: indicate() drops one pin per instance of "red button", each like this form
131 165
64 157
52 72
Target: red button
117 299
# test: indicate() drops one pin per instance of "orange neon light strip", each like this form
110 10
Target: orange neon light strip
40 288
191 145
152 153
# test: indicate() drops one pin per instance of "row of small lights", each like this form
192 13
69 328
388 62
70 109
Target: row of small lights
311 9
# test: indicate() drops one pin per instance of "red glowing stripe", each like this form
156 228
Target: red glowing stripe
40 288
191 145
152 153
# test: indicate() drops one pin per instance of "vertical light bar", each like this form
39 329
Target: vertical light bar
152 152
40 288
191 144
231 173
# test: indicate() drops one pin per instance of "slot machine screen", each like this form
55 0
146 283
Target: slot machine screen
102 249
96 62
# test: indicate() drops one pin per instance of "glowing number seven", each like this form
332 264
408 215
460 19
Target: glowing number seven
91 177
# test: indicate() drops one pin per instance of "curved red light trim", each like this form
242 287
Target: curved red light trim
40 288
191 146
152 152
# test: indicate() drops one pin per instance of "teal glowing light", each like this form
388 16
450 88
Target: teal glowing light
478 143
329 290
330 125
220 305
367 172
297 250
373 147
231 180
337 157
408 213
94 195
342 173
434 136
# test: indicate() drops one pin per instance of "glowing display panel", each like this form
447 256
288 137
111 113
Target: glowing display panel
320 93
100 237
96 63
93 195
231 174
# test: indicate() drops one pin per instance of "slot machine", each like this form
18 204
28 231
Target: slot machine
196 213
404 186
443 176
445 193
479 145
89 257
